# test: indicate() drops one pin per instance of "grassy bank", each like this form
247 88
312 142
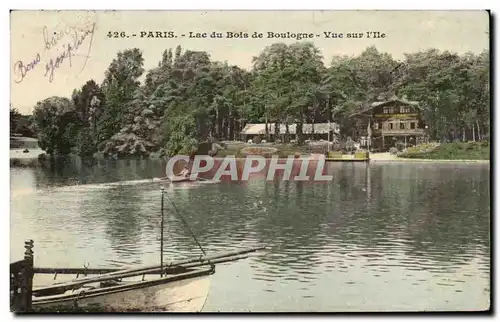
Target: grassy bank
449 151
284 150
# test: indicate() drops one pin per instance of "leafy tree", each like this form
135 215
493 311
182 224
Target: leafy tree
20 124
120 83
287 76
135 139
88 103
54 121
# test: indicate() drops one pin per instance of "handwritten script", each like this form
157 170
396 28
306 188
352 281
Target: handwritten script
79 44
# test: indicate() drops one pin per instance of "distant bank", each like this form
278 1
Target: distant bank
24 150
386 156
22 142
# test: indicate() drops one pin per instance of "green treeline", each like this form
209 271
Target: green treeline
20 124
188 98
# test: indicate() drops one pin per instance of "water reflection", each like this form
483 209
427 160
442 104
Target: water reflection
408 229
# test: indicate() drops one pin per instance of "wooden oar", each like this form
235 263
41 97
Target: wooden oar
169 179
143 270
95 271
77 284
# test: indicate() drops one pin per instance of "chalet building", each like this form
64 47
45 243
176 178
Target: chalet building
392 121
316 131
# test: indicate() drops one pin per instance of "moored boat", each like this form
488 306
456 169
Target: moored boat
185 292
181 286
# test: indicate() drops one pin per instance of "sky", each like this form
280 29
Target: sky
55 52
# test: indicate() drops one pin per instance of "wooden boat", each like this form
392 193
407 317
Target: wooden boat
184 292
177 179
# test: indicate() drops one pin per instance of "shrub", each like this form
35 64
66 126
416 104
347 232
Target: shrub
393 151
349 145
257 139
450 151
400 145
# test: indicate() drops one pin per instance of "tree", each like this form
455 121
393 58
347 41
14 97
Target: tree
120 83
135 139
55 122
20 124
88 102
287 77
453 89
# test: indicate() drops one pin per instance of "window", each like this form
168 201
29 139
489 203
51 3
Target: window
390 126
386 110
375 126
412 125
402 126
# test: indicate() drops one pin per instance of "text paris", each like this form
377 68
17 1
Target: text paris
70 50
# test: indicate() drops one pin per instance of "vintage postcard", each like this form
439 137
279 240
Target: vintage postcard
250 161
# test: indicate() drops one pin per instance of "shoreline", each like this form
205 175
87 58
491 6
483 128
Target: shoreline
382 157
408 160
374 157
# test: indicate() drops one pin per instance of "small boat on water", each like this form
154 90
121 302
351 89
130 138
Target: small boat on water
179 286
186 178
177 179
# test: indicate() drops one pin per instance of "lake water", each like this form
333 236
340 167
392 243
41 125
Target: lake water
378 237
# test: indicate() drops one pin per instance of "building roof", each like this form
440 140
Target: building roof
369 107
394 100
260 128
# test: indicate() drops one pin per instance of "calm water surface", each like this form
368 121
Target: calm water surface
378 237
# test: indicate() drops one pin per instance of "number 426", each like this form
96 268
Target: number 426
117 34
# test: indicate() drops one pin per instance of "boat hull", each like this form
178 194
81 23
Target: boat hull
180 179
187 295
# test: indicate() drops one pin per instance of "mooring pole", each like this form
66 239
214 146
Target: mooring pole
161 233
28 275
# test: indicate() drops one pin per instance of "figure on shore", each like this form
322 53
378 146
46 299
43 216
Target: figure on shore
185 172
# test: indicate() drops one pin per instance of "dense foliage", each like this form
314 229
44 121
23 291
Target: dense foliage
20 124
189 99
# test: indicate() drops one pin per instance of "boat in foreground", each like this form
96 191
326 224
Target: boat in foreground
180 286
185 292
